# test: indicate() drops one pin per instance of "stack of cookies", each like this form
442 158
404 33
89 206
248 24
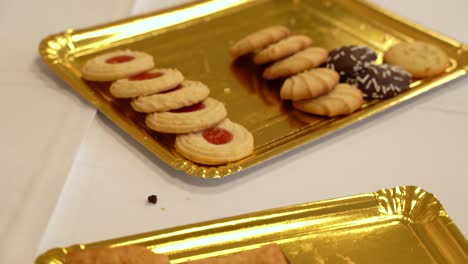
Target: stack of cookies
312 90
173 105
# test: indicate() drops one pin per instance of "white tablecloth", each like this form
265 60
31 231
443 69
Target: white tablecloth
421 143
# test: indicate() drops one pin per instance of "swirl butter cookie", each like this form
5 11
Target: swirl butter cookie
299 62
150 82
382 81
258 40
118 255
309 84
344 99
188 119
223 143
347 60
116 65
186 94
418 58
282 49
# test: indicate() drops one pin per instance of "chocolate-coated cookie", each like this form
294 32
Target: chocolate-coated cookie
347 60
382 81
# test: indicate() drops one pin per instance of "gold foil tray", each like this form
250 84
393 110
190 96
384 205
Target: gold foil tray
195 39
399 225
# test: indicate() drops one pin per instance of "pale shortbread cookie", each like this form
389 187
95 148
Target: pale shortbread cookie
187 93
258 40
118 255
268 254
151 82
299 62
282 49
116 65
343 100
418 58
226 142
189 119
309 84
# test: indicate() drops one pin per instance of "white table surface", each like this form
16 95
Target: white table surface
420 143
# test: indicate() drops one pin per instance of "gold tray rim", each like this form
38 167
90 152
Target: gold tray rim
411 205
54 50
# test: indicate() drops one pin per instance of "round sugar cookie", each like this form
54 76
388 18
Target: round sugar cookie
223 143
150 82
186 94
282 49
382 81
421 59
116 65
258 40
347 60
188 119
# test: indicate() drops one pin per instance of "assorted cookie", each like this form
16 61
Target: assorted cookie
258 40
382 81
282 49
188 119
116 65
348 60
309 84
344 99
303 60
421 59
223 143
177 106
146 83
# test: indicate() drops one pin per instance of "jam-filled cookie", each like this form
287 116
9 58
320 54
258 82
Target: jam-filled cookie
421 59
348 60
382 81
223 143
344 99
188 119
150 82
309 84
116 65
299 62
282 49
186 94
258 40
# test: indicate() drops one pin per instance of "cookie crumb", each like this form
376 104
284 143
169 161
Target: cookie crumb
227 90
152 199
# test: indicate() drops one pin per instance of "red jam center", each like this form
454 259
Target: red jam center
217 136
145 76
120 59
191 108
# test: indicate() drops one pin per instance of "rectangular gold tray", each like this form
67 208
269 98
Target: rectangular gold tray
399 225
195 38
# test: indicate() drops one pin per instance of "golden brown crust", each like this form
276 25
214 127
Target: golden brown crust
299 62
343 100
282 49
309 84
258 40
